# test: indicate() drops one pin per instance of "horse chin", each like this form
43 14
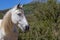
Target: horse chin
23 30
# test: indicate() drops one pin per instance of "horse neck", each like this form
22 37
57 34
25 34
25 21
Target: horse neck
7 24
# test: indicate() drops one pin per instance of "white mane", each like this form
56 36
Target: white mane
7 25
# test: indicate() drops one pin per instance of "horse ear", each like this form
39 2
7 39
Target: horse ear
18 6
21 6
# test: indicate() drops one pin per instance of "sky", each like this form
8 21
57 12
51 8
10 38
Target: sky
5 4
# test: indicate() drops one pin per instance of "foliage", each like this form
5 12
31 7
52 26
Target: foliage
1 15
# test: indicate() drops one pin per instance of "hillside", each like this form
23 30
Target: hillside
44 21
2 12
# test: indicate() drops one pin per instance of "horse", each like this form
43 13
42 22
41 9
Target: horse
12 20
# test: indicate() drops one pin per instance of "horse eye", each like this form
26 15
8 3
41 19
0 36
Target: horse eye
19 14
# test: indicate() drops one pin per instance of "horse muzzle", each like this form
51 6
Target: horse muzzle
27 28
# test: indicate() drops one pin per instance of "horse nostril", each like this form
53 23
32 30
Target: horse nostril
27 28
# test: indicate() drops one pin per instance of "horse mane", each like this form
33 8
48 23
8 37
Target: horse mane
8 26
7 23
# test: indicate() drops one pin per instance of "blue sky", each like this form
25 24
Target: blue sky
5 4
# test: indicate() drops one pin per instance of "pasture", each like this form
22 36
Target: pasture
44 21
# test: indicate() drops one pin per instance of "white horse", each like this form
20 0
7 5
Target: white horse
8 25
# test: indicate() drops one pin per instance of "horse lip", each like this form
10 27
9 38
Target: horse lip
24 31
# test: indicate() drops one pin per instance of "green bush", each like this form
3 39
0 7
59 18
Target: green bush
44 20
1 15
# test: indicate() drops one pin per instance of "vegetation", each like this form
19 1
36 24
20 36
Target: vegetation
44 21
